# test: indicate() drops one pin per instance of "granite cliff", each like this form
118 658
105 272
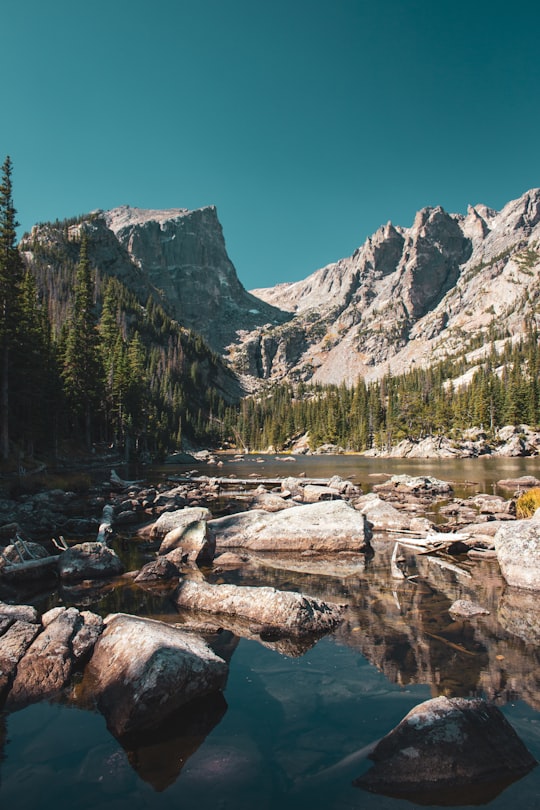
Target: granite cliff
406 296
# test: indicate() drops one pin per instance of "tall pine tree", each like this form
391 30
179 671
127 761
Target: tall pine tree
83 368
11 271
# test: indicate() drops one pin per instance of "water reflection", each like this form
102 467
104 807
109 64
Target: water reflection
159 755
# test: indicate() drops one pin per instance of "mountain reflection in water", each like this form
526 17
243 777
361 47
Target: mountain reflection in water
296 721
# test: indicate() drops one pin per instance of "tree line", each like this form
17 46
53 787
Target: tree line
83 362
503 389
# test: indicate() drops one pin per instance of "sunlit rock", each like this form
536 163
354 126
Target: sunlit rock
325 526
143 670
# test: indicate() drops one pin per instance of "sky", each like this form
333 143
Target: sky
307 123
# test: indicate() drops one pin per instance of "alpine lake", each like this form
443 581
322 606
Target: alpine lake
292 727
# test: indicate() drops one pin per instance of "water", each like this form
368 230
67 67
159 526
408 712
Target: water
290 729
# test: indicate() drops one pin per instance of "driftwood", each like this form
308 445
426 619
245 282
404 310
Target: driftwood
105 527
121 484
29 569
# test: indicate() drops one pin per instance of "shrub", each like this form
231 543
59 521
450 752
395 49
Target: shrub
528 503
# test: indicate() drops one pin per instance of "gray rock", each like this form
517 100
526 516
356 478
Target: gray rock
325 526
24 613
194 539
179 519
46 667
160 569
445 750
385 517
518 551
288 612
14 642
89 561
466 609
143 670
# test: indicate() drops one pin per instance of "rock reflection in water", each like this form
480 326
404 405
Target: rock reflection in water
404 627
158 756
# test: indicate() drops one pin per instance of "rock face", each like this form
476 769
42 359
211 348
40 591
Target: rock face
445 750
324 526
182 253
406 296
287 613
518 552
137 691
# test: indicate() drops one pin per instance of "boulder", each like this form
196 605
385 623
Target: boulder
385 517
420 484
466 609
89 561
269 501
47 664
160 569
518 551
517 484
143 670
16 636
194 540
325 526
178 519
290 613
448 751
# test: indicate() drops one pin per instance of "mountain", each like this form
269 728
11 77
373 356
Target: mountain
406 297
177 256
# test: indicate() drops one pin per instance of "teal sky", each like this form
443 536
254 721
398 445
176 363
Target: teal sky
307 123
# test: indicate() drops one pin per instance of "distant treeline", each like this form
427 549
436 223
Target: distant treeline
503 389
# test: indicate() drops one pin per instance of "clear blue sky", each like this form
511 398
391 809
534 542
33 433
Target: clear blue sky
307 123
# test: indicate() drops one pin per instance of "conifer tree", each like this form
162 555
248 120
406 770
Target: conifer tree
10 281
83 368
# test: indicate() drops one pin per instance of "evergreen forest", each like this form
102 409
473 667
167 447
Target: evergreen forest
86 364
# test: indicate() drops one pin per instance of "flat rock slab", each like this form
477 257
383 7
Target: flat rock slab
518 551
143 670
325 526
288 612
448 751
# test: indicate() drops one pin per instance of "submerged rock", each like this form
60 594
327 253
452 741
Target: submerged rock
143 670
324 526
448 751
290 613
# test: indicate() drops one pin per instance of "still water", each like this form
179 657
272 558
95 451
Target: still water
290 728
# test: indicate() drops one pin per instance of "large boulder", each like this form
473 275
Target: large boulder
143 670
89 561
518 551
197 544
288 612
325 526
448 751
16 636
48 662
384 517
178 520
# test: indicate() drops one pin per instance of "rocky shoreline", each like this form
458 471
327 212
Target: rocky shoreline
198 530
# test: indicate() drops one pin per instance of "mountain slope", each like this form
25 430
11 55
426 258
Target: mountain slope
406 296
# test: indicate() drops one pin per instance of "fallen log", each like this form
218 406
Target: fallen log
29 569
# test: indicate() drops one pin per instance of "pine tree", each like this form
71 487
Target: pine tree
83 367
10 281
